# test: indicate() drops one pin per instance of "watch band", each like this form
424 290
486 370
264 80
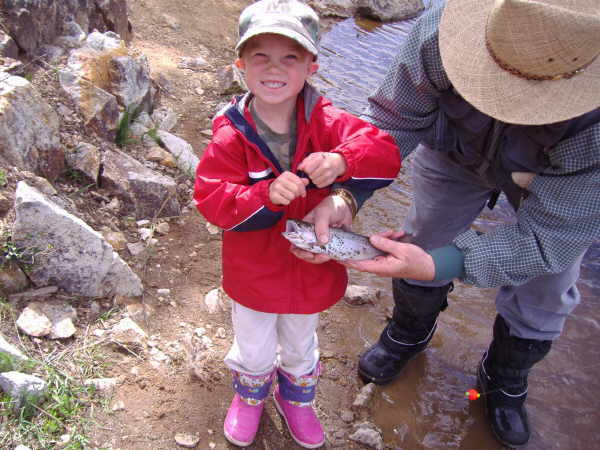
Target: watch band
347 196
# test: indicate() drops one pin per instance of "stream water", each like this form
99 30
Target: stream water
426 406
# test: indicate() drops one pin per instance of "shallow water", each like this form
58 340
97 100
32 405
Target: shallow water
426 407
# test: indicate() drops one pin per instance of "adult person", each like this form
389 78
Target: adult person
504 96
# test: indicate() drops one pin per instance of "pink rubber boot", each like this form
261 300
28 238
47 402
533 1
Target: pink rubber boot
243 416
293 399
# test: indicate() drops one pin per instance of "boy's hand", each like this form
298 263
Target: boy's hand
323 167
331 212
286 187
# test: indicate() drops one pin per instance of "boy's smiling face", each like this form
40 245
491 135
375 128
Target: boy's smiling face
276 68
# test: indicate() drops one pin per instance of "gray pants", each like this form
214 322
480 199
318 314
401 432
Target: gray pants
447 199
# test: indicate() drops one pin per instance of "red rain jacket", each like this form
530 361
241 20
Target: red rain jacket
232 192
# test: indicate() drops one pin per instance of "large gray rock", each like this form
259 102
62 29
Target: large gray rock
181 150
8 47
130 82
29 129
7 347
145 193
389 10
86 158
383 10
68 252
35 23
32 23
100 76
22 388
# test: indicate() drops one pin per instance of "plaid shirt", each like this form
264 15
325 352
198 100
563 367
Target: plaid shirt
560 217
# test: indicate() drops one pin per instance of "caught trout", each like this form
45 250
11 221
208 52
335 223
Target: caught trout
342 245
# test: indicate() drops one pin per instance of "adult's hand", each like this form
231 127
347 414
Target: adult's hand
401 261
333 211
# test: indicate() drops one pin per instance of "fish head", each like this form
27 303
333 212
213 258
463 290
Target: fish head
302 235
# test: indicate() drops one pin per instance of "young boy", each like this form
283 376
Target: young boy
275 154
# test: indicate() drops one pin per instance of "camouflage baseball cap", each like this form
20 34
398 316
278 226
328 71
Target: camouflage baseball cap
291 18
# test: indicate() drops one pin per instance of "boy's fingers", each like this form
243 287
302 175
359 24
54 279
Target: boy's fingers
322 229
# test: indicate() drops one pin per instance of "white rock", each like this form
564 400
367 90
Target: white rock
357 295
136 248
104 385
368 434
145 233
212 229
118 406
48 319
163 228
186 440
221 333
364 396
216 300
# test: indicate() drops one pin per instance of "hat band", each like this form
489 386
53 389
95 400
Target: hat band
530 76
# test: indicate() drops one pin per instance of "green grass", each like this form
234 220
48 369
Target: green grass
153 134
24 257
123 137
107 314
3 179
9 252
41 423
66 408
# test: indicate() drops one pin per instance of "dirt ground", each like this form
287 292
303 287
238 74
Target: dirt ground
163 400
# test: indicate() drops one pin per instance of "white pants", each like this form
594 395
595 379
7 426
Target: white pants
263 341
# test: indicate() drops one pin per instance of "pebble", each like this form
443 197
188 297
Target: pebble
221 333
186 440
364 396
118 406
347 416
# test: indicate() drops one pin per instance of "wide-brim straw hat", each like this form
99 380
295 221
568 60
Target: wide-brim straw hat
524 61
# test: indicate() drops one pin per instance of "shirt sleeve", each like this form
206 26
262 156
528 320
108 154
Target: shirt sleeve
556 224
406 102
222 195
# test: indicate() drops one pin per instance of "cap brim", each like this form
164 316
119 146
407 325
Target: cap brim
497 92
272 29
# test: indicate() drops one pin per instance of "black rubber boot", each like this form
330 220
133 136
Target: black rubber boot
412 326
502 380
